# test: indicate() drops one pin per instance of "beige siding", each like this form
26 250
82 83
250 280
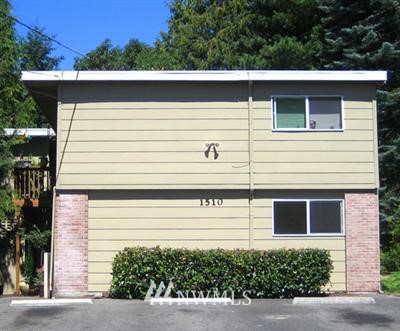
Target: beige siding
153 135
314 160
146 135
119 219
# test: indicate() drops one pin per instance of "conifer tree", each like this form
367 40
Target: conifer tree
365 35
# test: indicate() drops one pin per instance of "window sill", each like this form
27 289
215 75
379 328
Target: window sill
307 130
341 235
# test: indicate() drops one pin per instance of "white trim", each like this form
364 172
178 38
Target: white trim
307 109
309 234
221 75
33 132
48 302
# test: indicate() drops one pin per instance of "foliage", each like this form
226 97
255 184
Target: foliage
36 54
274 273
365 35
243 34
37 238
39 279
10 94
391 284
28 267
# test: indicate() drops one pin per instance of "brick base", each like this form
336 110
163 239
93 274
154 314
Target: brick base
71 244
362 242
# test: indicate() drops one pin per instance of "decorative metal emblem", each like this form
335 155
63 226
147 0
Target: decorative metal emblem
211 148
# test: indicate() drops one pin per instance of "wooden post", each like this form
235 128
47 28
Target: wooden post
17 260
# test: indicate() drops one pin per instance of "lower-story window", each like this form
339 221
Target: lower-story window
307 217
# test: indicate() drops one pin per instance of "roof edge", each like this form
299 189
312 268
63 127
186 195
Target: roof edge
239 75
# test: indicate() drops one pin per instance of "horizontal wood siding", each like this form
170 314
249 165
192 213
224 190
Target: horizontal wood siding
153 135
170 218
315 160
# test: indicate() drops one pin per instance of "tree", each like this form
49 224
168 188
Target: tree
103 57
36 54
242 34
36 50
366 35
135 55
10 115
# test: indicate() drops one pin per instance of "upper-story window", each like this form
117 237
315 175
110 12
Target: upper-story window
312 113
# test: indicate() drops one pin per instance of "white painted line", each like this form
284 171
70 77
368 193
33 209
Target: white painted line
334 301
190 301
49 302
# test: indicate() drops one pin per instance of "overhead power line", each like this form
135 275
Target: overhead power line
41 34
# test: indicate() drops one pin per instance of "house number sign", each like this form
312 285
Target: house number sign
211 202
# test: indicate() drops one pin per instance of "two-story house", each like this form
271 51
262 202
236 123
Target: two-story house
229 159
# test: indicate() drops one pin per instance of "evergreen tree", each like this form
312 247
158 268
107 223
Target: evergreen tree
11 107
366 35
36 54
36 50
242 34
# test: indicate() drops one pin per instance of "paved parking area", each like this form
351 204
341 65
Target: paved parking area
107 314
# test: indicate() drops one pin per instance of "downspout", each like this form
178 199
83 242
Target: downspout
251 174
52 242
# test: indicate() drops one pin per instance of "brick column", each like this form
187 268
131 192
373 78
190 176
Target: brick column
71 244
362 242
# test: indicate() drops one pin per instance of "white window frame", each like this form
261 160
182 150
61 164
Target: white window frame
307 104
308 220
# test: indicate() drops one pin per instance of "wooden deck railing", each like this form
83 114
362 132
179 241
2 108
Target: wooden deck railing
30 183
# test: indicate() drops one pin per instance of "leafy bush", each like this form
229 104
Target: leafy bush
273 273
391 283
28 267
390 260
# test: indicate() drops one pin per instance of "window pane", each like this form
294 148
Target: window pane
290 113
325 113
290 217
325 217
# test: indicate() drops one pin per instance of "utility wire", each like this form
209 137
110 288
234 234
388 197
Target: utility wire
41 34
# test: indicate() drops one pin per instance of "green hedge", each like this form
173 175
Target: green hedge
273 273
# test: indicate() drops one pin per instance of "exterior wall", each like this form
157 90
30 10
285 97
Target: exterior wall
70 244
153 135
118 219
316 160
362 242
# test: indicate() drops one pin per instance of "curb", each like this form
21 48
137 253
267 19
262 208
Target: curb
49 302
334 301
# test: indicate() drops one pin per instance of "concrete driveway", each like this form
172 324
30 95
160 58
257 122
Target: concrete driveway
107 314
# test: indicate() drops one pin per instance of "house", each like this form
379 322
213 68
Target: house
32 182
206 159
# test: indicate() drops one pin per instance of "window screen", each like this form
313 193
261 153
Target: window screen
325 112
290 217
325 217
290 113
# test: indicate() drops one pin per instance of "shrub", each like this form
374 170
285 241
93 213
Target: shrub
266 274
390 260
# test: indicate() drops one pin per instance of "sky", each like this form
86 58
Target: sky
83 24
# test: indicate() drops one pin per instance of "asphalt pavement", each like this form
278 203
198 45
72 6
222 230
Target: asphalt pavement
275 314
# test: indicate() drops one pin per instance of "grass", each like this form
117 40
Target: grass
391 283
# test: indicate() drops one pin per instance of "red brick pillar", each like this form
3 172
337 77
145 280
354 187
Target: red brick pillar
71 244
362 242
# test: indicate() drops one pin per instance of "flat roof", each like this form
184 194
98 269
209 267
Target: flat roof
33 132
217 76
